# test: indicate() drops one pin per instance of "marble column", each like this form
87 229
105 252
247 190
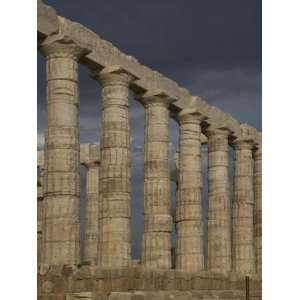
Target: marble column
219 207
92 205
156 241
40 197
115 170
258 207
39 216
189 221
62 178
243 209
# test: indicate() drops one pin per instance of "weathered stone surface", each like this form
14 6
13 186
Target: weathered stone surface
40 198
80 295
39 222
189 223
90 158
243 209
61 190
47 22
258 207
156 244
120 296
115 170
142 283
219 215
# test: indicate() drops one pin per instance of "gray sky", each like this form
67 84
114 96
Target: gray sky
211 47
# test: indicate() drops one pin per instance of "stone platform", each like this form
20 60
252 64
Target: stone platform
89 282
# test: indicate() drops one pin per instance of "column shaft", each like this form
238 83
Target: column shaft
115 173
39 221
40 198
189 222
243 229
219 208
62 178
92 213
258 207
156 244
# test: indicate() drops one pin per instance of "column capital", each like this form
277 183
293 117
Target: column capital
189 115
114 75
257 151
213 130
243 144
158 97
63 48
91 164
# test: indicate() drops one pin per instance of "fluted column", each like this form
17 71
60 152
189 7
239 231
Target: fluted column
62 178
39 221
219 208
258 207
189 222
92 205
156 242
40 197
39 216
243 229
115 173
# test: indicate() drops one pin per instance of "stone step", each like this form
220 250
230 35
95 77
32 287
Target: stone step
184 295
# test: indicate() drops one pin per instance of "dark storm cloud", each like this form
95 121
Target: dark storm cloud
211 47
171 33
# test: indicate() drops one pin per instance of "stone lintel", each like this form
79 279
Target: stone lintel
47 21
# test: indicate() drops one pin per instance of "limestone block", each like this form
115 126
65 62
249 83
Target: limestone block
120 296
47 22
82 295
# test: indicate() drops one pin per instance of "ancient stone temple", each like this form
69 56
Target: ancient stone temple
232 267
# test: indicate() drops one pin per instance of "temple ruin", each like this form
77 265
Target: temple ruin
232 268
